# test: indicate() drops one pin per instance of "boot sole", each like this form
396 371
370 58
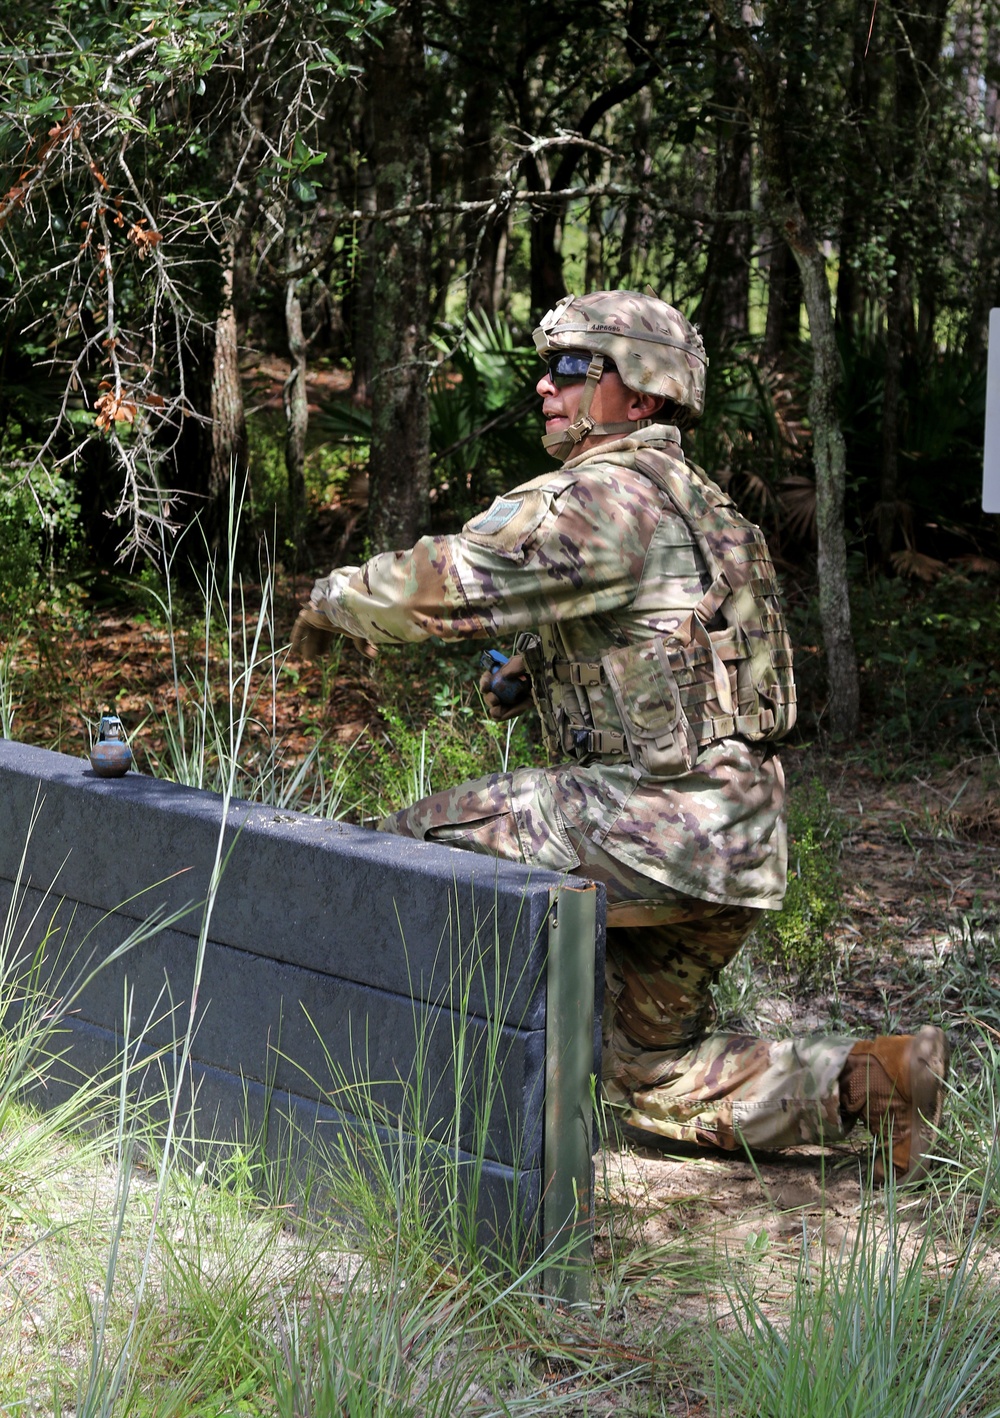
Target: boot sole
928 1073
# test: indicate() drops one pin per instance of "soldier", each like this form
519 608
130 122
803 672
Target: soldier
648 635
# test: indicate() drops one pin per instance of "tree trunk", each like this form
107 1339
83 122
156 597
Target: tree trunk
916 59
889 511
830 462
725 306
361 311
829 450
861 97
547 281
482 234
548 284
638 221
782 330
295 400
399 501
229 429
593 277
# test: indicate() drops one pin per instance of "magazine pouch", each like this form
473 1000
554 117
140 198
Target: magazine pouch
660 740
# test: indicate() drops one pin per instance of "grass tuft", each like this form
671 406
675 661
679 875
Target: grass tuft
880 1328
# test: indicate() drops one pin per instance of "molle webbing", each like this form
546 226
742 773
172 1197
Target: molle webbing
753 652
585 673
702 696
697 687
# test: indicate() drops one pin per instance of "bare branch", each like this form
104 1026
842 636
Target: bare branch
527 197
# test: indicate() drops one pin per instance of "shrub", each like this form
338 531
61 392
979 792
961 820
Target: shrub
38 535
929 658
18 552
797 936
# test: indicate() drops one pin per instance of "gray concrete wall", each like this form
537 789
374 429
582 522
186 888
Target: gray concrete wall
327 944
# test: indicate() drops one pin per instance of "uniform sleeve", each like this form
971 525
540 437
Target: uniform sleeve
554 549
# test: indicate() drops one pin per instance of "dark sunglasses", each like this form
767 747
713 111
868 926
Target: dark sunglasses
568 367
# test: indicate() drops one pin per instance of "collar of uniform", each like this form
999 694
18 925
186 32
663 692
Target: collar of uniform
653 436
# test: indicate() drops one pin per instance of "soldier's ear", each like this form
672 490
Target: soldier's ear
644 406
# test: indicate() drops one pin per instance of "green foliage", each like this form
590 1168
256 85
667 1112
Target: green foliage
796 937
39 535
196 128
929 657
267 473
739 440
128 129
484 414
436 731
941 418
483 431
328 468
216 732
959 987
18 553
968 1149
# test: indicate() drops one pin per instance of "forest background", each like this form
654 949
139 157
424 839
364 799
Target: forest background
268 274
308 246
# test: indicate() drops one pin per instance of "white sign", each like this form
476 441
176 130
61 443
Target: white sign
991 447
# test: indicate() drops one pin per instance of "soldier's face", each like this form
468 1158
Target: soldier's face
613 402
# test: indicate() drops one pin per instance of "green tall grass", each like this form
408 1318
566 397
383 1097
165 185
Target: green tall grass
887 1326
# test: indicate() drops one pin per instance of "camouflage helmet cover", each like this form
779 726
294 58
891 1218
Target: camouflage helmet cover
654 348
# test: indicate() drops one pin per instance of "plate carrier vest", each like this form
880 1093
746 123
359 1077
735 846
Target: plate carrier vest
726 671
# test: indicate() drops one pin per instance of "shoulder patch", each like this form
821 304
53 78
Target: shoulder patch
495 518
511 522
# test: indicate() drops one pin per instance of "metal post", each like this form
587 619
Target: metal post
991 442
567 1219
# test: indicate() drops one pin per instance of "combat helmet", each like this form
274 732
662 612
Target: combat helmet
653 347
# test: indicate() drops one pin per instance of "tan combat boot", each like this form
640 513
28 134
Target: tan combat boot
896 1087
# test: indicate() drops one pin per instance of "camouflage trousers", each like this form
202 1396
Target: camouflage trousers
665 1068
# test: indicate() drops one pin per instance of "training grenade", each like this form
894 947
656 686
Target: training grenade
508 691
111 756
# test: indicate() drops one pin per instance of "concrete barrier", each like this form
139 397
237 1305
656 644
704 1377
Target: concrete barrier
332 955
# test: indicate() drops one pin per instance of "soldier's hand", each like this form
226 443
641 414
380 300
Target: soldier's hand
514 670
313 637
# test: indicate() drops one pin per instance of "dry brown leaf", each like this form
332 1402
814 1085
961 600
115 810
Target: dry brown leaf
917 564
113 407
797 496
977 564
142 239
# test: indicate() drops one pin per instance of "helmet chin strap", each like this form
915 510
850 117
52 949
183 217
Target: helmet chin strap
563 445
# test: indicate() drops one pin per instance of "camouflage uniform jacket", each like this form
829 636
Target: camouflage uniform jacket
589 557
